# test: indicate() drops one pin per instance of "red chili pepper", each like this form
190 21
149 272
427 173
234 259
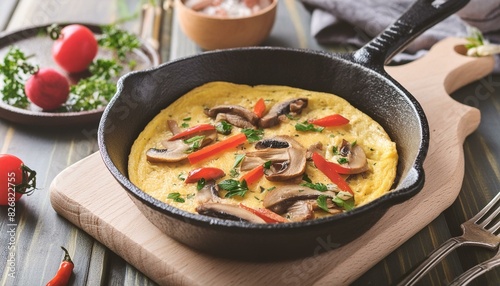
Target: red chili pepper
191 131
253 175
207 173
326 167
265 214
330 120
259 108
64 273
216 148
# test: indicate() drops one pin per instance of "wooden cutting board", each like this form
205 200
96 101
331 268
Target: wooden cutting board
88 196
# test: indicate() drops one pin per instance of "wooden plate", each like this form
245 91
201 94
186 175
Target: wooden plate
33 41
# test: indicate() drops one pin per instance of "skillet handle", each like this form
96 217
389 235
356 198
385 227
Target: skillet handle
422 15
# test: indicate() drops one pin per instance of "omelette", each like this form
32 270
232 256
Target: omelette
263 154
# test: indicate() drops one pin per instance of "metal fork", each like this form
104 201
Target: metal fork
477 231
478 270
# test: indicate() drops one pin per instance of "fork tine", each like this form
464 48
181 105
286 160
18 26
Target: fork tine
495 228
490 218
482 212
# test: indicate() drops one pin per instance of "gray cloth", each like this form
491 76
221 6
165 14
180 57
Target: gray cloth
355 22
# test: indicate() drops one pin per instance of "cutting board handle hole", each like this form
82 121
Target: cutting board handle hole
461 49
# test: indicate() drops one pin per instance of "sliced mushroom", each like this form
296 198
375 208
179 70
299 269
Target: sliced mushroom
177 150
281 198
257 158
174 151
287 157
315 148
301 210
237 115
228 211
173 126
209 193
292 107
234 120
355 158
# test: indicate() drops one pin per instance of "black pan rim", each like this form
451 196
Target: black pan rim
388 199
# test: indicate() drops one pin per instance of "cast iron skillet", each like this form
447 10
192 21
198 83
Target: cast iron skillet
358 77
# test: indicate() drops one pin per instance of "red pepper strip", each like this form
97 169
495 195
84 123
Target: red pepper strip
265 214
326 167
253 175
341 169
64 273
207 173
216 148
259 108
330 120
191 131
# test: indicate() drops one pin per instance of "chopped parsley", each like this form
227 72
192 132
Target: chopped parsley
200 184
185 122
234 188
306 178
267 165
322 202
238 159
253 135
317 186
306 126
223 127
345 204
182 176
335 150
194 143
176 197
342 160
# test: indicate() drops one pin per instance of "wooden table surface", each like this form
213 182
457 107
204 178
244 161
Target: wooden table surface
39 230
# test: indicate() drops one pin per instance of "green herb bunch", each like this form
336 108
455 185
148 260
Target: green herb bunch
89 93
14 71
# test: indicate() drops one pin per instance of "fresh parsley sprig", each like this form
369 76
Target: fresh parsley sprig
237 161
14 71
120 41
253 135
306 126
234 188
223 127
95 91
316 186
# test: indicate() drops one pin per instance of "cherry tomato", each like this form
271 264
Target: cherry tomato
75 48
47 88
16 179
